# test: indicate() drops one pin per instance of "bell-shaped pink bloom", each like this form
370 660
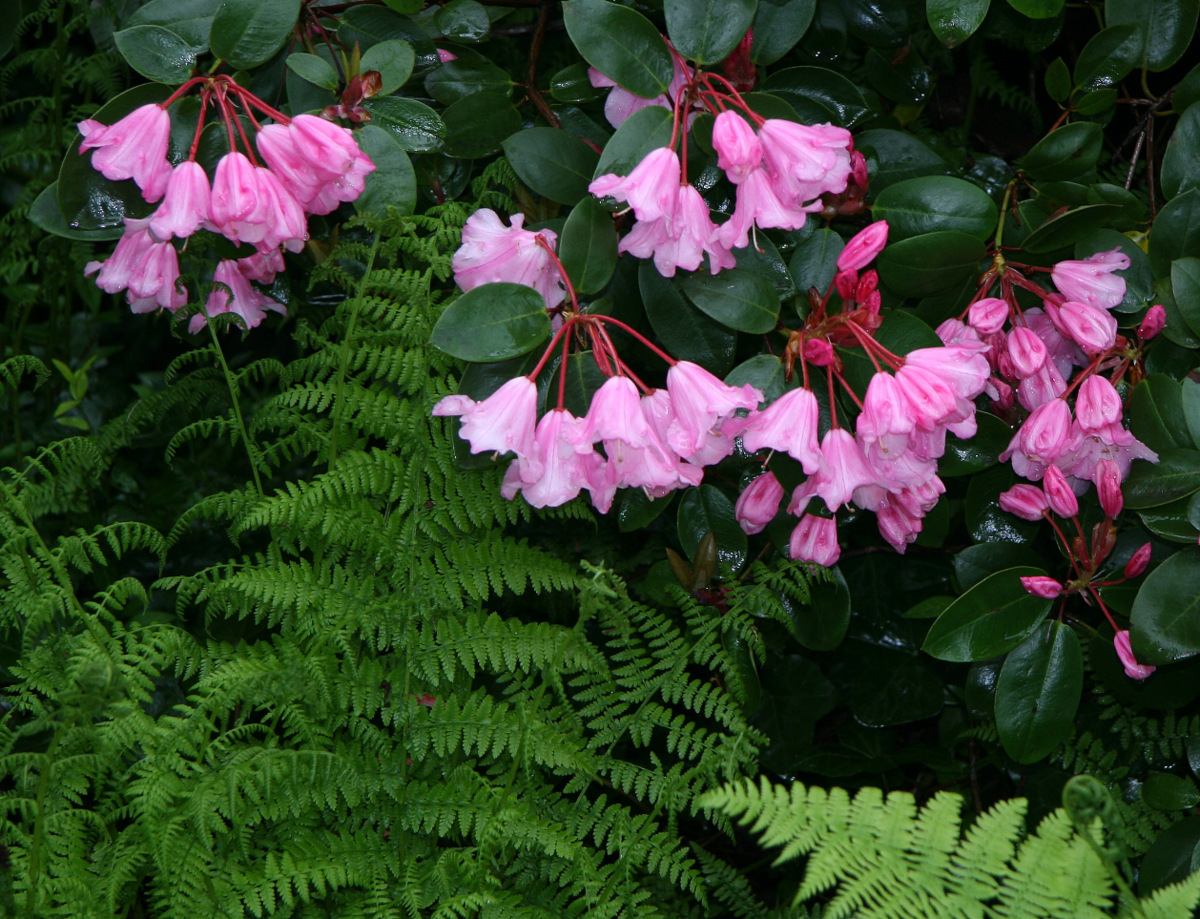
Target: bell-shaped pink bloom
504 422
930 399
759 203
1113 443
806 161
185 205
699 400
1090 327
962 365
885 412
843 468
1133 669
563 471
988 315
737 146
788 424
1091 280
1107 476
616 414
329 148
236 206
262 266
621 103
898 526
1026 351
862 248
1058 493
277 147
235 294
1026 501
758 503
135 147
651 189
1138 561
1043 438
1041 586
1152 323
815 540
283 216
492 252
1040 388
1098 405
148 270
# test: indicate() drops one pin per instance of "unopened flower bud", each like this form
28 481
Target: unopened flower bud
858 169
845 283
1152 323
1026 501
1133 669
863 247
988 315
1040 586
758 503
866 285
1058 492
1026 351
1104 540
1138 561
819 352
1108 486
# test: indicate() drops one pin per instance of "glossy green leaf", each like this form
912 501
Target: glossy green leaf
1176 475
571 84
1166 792
393 182
493 322
1176 231
478 125
778 26
986 522
588 246
908 80
894 687
893 156
765 261
1165 622
764 372
1037 9
393 60
621 43
368 26
879 23
1097 101
963 457
974 563
1170 521
926 205
735 298
1165 28
1156 415
463 20
707 31
706 510
1068 228
1187 92
1181 162
1174 855
643 131
191 20
635 510
1066 153
462 79
818 94
44 213
414 125
814 261
1038 692
157 53
1189 400
821 624
991 618
314 69
1058 80
683 330
927 264
246 33
1109 56
954 21
555 164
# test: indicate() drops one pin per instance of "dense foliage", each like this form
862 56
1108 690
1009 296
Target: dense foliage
281 635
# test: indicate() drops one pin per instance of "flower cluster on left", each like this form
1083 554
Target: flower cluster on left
258 197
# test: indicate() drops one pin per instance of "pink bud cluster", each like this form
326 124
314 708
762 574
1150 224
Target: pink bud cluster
308 166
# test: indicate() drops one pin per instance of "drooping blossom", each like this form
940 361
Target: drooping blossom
1124 646
1092 280
493 252
700 401
651 188
145 268
134 147
562 471
814 539
789 424
758 503
185 204
504 422
235 294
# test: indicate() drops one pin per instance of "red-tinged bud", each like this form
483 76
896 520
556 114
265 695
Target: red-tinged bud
1079 547
1058 492
1026 501
858 169
1040 586
819 352
872 304
1152 323
862 248
1104 540
1133 669
988 315
1108 486
738 68
845 282
758 504
1138 561
1005 398
866 285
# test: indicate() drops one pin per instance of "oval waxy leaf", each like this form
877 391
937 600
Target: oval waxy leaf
555 164
778 26
814 261
191 20
493 322
477 125
991 618
621 43
1165 621
416 127
393 60
1038 692
1066 153
1037 9
954 21
928 264
707 31
1181 163
1069 228
685 331
246 33
315 70
1108 57
393 183
588 246
706 510
463 79
157 53
645 130
818 94
821 624
1176 231
736 298
44 213
1165 28
932 203
1176 475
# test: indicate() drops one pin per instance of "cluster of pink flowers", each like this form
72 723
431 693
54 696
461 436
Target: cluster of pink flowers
492 252
311 166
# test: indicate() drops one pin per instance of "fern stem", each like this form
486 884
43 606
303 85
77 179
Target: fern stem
237 408
39 826
339 399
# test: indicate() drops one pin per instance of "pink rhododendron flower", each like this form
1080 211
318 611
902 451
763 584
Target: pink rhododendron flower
737 146
988 315
561 470
1090 327
1098 405
1043 438
1091 280
236 207
699 401
235 295
651 188
806 161
815 540
1040 586
135 147
1026 501
788 424
148 270
758 503
492 252
1026 351
759 203
185 205
863 247
1133 669
843 469
503 422
1058 493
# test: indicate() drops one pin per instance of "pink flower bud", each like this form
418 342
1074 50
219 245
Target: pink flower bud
866 285
737 146
819 352
1091 327
446 56
759 503
1098 405
863 247
1092 280
1138 561
1133 669
858 169
815 540
988 315
1107 477
1058 493
1152 323
1026 501
846 284
1026 351
1041 586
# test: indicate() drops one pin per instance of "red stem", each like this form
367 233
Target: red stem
541 241
671 362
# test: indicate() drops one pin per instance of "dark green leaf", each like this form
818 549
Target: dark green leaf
1189 399
1066 153
367 26
765 261
706 510
191 20
926 205
246 33
907 81
893 156
1176 231
1165 622
1109 56
588 247
929 608
1156 415
894 687
820 624
635 510
414 125
1058 80
764 372
736 298
1097 101
157 53
974 563
924 265
1038 693
393 183
814 261
1174 855
1176 475
881 23
314 69
1170 521
571 84
778 26
1166 792
1181 163
393 60
986 522
707 31
621 43
818 94
954 21
478 125
1165 28
463 20
976 453
684 331
1067 229
645 130
1187 93
493 322
553 163
44 213
1037 9
991 618
463 79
